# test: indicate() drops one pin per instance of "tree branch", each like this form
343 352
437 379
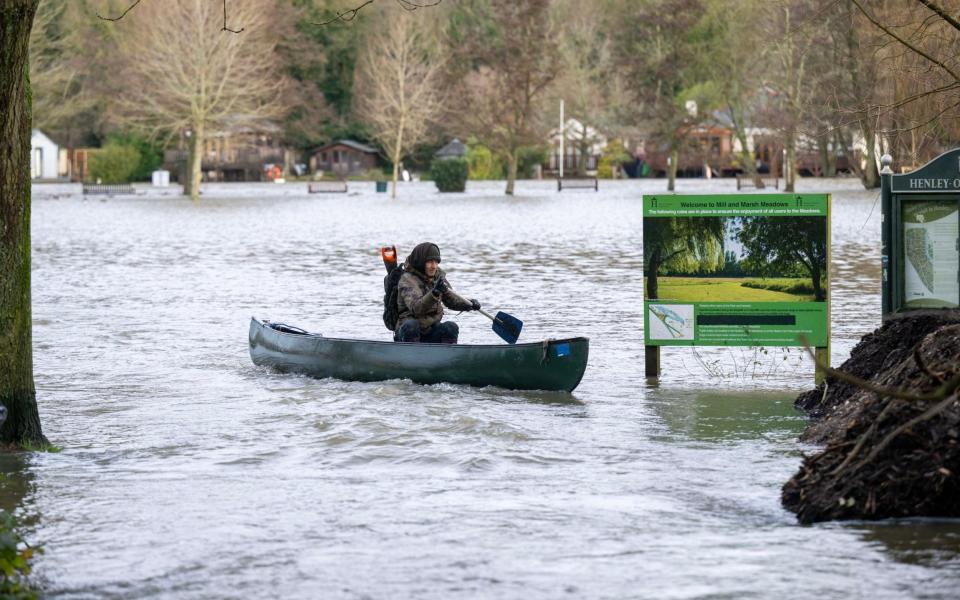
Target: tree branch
890 32
225 28
943 391
349 15
122 15
941 13
136 2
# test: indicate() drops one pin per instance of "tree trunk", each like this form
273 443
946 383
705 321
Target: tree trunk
827 164
672 169
790 162
651 270
196 161
746 156
870 177
511 171
818 294
17 391
396 174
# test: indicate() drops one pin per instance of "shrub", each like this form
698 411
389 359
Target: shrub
614 155
529 158
114 163
801 287
482 163
151 154
450 174
15 557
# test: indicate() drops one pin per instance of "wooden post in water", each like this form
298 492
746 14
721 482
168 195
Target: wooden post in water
651 356
822 355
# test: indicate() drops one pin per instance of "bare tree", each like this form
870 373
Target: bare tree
517 62
657 43
182 75
396 89
589 83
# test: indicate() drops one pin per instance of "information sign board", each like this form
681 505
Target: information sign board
736 270
920 235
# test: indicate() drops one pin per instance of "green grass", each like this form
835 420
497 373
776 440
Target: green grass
790 285
716 289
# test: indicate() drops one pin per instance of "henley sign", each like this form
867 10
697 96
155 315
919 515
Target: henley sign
921 236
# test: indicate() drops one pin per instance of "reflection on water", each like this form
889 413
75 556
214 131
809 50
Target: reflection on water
722 416
187 472
15 481
929 543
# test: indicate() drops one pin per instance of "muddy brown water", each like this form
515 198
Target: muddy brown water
187 472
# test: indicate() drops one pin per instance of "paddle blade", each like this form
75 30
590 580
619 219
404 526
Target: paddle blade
508 327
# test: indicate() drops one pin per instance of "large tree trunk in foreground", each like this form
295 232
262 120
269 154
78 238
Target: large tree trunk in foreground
17 390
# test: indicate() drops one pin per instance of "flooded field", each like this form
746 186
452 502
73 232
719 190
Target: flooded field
188 472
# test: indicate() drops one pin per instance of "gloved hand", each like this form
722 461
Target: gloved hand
474 304
440 286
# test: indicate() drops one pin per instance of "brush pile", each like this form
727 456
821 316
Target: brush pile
893 452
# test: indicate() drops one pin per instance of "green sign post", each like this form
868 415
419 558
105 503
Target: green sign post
735 270
920 260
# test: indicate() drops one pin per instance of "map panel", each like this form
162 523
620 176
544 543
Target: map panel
931 262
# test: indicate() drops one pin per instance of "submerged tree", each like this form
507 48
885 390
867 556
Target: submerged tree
657 41
779 244
17 389
685 244
183 74
516 56
397 88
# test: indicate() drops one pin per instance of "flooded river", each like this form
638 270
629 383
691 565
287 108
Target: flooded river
188 472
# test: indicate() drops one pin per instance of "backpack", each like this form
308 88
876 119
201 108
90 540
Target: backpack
391 289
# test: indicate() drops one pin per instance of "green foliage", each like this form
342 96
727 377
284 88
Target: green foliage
528 157
482 163
115 163
687 245
782 246
716 289
151 153
786 285
15 558
450 174
333 75
614 155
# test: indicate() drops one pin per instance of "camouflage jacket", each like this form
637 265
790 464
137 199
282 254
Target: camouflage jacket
415 300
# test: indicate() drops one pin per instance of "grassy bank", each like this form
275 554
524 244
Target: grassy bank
717 289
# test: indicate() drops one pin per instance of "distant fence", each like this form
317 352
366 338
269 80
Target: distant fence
748 181
327 187
109 189
578 183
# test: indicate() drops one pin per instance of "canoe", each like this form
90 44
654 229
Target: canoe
554 365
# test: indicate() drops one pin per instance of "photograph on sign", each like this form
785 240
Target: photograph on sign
735 270
931 265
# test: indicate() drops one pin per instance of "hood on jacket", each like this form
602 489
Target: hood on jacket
421 254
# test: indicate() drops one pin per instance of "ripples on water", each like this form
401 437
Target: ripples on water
187 472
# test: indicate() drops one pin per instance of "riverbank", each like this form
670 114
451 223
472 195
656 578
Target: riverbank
886 456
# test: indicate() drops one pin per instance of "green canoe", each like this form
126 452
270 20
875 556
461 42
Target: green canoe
555 365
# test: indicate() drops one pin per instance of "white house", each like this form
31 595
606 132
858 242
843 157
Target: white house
576 136
44 157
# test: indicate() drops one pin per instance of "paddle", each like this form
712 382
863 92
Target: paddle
508 327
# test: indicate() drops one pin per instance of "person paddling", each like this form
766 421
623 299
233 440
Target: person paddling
422 294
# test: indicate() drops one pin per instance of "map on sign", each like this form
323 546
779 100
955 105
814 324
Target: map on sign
671 321
930 250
